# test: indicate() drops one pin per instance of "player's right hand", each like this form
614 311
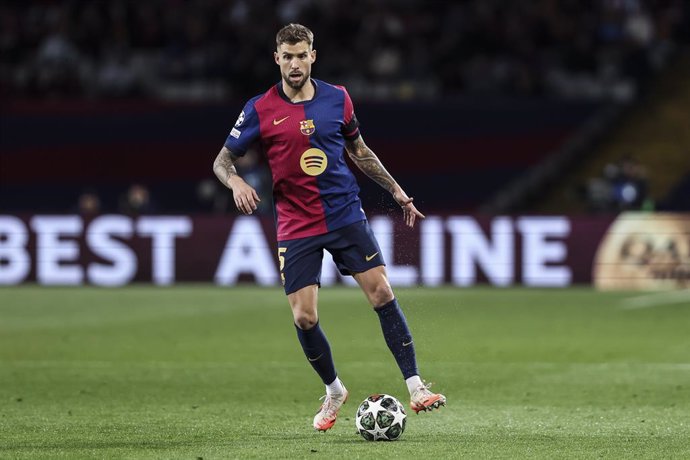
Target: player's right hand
245 196
410 212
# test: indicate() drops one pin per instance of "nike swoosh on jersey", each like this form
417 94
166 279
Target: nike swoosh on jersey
368 258
277 122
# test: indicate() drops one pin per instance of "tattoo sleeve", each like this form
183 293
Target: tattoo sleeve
369 163
223 166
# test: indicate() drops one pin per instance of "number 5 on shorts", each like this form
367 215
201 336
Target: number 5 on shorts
281 259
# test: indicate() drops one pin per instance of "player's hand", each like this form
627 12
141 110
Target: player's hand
410 212
246 198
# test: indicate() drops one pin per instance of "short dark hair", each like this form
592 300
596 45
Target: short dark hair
294 33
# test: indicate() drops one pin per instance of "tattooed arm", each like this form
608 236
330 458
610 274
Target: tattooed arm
369 163
245 196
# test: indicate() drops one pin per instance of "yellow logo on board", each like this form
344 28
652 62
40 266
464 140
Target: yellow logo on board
313 162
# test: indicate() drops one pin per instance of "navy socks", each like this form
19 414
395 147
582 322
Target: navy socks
318 352
395 332
398 337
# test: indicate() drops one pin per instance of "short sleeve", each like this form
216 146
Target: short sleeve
350 129
245 131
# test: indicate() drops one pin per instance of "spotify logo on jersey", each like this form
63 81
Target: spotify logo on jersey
313 162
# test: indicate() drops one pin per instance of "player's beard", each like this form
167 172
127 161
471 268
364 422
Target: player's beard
297 85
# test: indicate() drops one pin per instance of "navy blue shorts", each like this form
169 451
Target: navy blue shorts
353 247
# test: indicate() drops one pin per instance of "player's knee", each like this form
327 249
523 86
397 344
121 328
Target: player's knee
305 320
381 294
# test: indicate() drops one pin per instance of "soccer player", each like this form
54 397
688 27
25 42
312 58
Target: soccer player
304 126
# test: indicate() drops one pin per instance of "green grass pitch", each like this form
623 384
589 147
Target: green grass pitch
209 372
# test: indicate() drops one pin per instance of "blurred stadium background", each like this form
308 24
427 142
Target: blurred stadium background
547 141
104 94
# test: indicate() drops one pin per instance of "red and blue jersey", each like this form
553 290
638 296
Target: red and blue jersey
314 191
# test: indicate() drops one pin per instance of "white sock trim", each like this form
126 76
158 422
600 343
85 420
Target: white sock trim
413 383
335 387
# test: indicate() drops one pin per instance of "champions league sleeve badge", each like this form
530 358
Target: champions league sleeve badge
240 120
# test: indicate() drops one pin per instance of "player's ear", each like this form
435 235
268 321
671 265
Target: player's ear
276 57
313 56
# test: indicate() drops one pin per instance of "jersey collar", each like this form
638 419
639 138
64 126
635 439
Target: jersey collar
284 96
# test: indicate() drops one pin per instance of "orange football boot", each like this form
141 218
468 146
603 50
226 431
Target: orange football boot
328 412
422 399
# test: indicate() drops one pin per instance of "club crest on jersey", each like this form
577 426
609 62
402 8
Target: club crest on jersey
307 127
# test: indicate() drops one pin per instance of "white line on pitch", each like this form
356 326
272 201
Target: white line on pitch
656 299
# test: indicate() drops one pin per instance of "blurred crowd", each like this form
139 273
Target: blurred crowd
135 200
211 196
205 50
622 186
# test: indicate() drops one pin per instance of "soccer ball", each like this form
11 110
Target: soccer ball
380 418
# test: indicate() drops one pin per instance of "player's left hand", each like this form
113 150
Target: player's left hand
410 212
